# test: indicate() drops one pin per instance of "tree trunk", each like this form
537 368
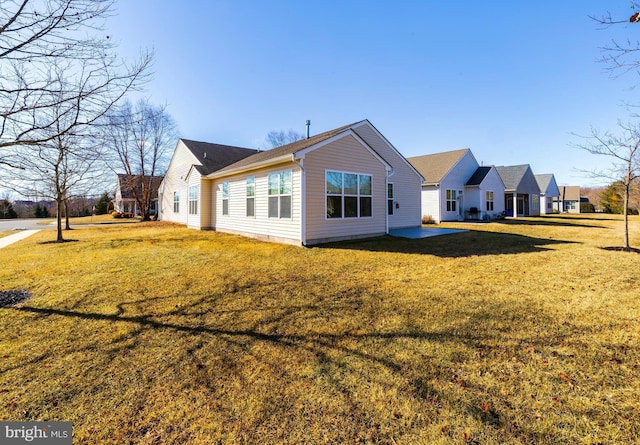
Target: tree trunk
625 206
60 239
66 215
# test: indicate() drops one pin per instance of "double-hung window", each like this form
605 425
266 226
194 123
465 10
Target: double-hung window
176 202
193 200
451 200
280 190
225 198
390 199
489 201
251 193
349 195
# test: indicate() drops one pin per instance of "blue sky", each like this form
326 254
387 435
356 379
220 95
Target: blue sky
510 80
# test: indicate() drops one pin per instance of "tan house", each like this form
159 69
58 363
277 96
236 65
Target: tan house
346 183
568 200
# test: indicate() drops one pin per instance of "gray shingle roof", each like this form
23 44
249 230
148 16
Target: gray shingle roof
435 166
284 150
478 176
214 157
512 175
544 180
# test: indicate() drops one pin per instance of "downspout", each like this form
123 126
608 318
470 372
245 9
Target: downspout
390 173
303 200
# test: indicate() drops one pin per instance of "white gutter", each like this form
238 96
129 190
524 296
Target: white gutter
303 200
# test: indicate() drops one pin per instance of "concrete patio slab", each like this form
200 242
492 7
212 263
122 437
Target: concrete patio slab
422 232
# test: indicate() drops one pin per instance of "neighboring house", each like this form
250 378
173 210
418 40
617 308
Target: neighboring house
345 183
455 187
128 187
549 192
568 199
521 193
484 194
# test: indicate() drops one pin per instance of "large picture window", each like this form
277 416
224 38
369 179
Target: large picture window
176 202
193 200
349 195
225 198
489 201
251 193
280 189
451 200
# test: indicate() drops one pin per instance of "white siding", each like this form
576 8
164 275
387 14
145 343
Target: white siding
345 155
174 180
261 226
193 221
492 183
431 203
406 182
455 180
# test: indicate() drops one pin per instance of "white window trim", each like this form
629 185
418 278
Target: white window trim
358 196
279 173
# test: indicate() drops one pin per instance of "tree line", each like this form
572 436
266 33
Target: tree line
67 120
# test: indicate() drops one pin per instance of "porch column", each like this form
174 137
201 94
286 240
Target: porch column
515 204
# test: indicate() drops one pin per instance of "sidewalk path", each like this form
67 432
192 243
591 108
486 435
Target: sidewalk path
10 239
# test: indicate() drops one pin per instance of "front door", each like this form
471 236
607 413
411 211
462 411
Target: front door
522 206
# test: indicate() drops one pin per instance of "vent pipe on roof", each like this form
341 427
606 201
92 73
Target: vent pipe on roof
204 155
308 124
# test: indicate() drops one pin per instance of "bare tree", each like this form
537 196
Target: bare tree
624 150
39 40
141 138
623 56
279 138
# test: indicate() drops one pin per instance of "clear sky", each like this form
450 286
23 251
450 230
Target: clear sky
511 80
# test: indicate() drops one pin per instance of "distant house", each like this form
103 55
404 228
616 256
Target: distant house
484 193
455 187
345 183
445 175
128 187
568 199
522 194
549 192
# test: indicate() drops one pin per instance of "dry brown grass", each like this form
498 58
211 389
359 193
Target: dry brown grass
515 332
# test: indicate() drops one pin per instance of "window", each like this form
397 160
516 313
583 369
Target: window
489 200
536 202
348 195
176 202
251 193
193 200
390 199
280 194
225 198
451 200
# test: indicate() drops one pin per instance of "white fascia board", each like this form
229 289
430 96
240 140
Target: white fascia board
348 132
246 168
386 141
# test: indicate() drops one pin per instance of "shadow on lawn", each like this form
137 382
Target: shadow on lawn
457 245
415 365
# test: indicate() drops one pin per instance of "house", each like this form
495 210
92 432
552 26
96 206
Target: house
521 193
549 192
130 187
457 188
445 175
190 163
484 193
345 183
568 199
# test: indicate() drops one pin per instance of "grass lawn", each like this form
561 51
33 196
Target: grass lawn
515 332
